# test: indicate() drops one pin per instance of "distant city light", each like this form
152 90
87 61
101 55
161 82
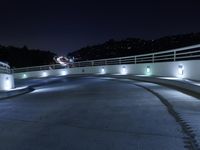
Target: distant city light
64 61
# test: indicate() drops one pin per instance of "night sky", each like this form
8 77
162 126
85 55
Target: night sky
64 26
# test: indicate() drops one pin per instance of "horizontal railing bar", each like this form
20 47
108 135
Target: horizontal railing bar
160 56
36 66
126 60
163 59
193 56
146 61
144 58
192 52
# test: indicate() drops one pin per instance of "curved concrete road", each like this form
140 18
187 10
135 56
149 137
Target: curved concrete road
88 113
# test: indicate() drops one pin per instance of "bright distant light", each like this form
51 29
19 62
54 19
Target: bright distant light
148 69
123 70
63 73
180 69
44 74
103 70
62 60
24 76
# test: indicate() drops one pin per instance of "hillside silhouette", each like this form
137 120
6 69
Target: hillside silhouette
24 57
134 46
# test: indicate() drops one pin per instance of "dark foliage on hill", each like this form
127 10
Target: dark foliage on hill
24 57
134 46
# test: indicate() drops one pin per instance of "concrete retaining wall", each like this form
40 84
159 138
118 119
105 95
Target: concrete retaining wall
182 69
15 92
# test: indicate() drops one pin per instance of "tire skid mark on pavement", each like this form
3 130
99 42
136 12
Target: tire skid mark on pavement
189 140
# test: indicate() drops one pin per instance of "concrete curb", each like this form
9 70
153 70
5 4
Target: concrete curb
181 85
29 88
13 93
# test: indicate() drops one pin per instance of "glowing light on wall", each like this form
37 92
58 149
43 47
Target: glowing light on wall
180 69
63 73
44 74
123 70
24 76
103 70
148 69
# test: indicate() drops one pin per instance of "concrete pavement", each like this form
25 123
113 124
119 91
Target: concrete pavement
87 113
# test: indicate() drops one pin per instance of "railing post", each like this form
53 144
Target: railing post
135 60
174 55
152 58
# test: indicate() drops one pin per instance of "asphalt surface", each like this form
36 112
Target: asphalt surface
88 113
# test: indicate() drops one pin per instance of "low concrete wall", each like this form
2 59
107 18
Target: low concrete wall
15 92
6 82
182 69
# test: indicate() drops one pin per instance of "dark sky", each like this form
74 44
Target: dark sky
63 26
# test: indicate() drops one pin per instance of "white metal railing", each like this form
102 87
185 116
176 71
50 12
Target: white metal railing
185 53
4 68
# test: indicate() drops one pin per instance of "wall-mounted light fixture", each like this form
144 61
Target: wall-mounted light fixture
102 70
148 69
180 69
124 70
63 73
44 74
24 76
